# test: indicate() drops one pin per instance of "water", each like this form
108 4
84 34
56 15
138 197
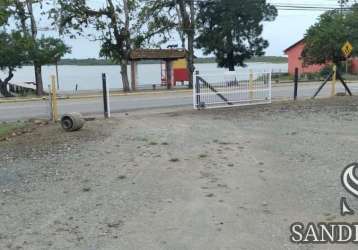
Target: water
89 77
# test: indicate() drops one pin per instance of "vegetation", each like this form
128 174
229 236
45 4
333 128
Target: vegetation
160 17
94 61
41 50
13 54
114 23
123 25
235 36
324 40
4 13
7 128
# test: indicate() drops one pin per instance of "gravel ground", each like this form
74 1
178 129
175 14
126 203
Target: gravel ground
215 179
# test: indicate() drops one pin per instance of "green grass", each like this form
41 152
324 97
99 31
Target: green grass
7 128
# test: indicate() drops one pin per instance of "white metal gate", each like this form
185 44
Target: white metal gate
231 89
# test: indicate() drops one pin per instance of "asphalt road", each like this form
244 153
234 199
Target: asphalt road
40 109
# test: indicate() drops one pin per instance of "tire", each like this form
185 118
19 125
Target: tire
72 122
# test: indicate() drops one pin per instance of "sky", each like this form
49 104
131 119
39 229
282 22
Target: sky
289 27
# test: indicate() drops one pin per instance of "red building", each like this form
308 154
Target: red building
294 53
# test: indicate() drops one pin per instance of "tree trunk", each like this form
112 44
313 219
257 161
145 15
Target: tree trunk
126 46
191 67
38 79
37 67
231 62
191 35
3 89
188 26
124 73
122 38
3 85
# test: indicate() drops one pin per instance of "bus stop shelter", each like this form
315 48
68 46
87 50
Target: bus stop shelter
168 56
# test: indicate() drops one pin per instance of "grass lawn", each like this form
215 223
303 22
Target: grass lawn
7 128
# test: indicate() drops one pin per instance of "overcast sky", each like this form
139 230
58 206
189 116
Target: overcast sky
289 27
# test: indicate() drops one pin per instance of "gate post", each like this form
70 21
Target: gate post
251 84
197 91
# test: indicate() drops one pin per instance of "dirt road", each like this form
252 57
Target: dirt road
219 179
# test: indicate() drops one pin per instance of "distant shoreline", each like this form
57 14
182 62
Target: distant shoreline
104 62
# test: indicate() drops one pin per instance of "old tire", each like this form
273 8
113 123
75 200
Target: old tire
72 122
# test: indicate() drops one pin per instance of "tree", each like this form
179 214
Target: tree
187 21
112 24
13 54
22 12
232 29
4 12
162 17
324 40
47 50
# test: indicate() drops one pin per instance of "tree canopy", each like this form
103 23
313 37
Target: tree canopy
161 18
113 22
324 40
14 52
232 29
4 13
43 50
48 50
229 29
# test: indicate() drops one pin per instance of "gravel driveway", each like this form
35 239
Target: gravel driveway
214 179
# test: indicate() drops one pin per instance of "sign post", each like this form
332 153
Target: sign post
347 49
347 52
334 81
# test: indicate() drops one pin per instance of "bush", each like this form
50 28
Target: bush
313 76
326 71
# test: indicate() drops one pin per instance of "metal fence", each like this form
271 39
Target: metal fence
231 89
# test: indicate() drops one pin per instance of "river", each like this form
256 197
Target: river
89 77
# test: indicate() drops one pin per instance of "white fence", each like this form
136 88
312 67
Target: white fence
231 89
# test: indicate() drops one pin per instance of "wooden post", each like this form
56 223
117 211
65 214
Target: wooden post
50 102
57 76
134 68
334 81
251 84
296 84
168 66
54 99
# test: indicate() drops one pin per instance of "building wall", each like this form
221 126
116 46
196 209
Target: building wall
295 61
354 66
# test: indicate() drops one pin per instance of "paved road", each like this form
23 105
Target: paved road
39 109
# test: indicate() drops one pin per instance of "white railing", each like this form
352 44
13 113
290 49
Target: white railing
231 89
